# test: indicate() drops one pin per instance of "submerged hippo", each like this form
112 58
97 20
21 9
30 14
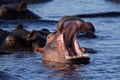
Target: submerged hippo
16 39
63 46
18 1
38 38
16 12
21 39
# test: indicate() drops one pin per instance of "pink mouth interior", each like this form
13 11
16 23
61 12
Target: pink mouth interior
73 48
69 39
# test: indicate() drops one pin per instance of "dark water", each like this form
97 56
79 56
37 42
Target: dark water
104 65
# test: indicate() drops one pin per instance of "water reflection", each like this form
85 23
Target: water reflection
63 71
61 66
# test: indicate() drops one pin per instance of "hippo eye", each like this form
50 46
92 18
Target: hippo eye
50 37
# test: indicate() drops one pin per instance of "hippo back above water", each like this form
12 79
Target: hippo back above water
16 12
19 1
21 39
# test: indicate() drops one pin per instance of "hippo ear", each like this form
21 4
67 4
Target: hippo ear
23 6
50 37
32 35
89 27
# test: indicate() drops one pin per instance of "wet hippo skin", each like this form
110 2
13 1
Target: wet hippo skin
20 39
88 31
104 14
19 1
16 40
63 46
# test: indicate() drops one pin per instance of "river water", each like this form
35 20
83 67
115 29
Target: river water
104 65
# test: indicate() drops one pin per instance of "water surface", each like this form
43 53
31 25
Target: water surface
104 65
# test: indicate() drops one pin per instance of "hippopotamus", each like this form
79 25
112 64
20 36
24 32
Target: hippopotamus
21 39
16 12
38 38
102 14
63 46
16 39
19 1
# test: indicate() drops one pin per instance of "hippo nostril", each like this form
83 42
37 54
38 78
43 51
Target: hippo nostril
38 50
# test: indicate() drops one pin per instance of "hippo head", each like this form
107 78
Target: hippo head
10 12
63 46
38 38
10 41
16 39
3 11
20 11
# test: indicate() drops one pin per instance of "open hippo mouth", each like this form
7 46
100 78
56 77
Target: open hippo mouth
68 38
63 46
